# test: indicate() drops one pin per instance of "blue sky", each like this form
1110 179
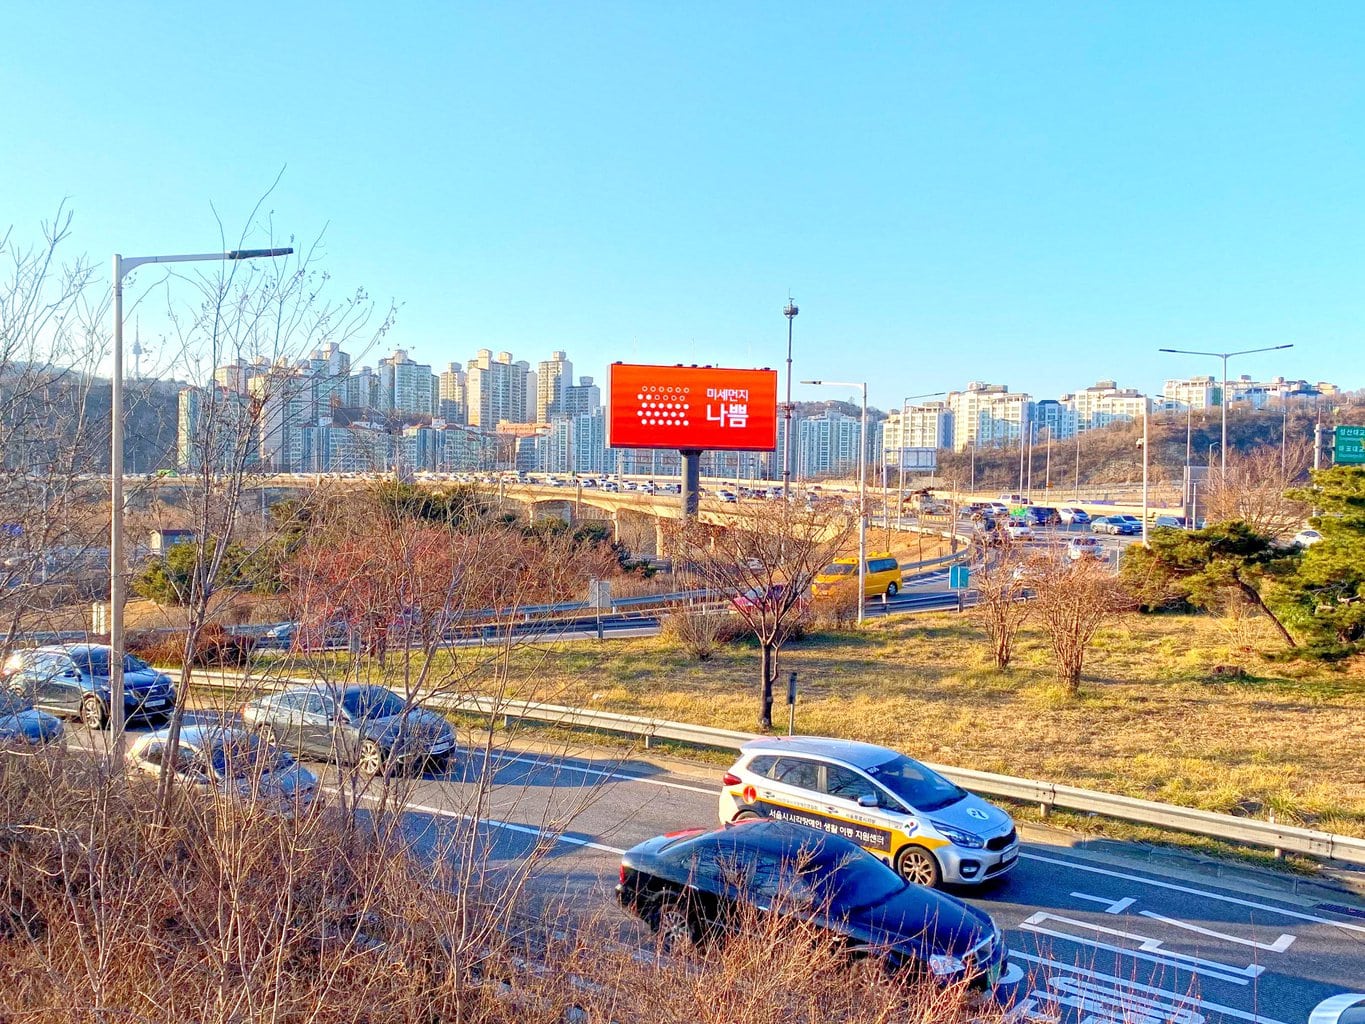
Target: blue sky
1035 194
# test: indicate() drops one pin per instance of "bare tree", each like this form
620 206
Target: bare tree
243 337
762 559
49 439
1253 488
1001 584
1072 600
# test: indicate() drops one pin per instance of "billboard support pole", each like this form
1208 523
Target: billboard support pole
691 481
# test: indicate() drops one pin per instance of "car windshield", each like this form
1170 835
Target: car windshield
237 754
922 789
838 569
372 702
94 661
857 880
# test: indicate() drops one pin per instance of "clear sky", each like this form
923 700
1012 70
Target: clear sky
1026 193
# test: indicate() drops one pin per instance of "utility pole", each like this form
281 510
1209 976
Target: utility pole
789 311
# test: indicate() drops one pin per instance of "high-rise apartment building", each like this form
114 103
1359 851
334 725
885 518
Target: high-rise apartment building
287 407
495 389
1103 403
404 385
553 376
582 398
967 408
927 426
214 430
450 405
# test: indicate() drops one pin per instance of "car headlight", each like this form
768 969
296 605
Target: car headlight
944 964
959 836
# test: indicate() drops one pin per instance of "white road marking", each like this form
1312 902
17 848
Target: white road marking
1150 949
1278 946
1110 906
1119 1004
623 776
1127 984
1190 890
1330 1010
509 826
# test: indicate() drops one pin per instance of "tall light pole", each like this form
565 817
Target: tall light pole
121 267
1146 409
862 490
1223 397
789 311
905 420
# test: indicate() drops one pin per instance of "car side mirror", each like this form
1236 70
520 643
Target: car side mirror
868 800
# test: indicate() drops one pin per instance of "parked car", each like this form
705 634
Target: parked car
295 636
1132 521
369 726
1042 515
922 825
1082 546
882 576
697 888
1114 525
72 680
21 724
232 762
1307 538
1018 529
1171 522
1071 514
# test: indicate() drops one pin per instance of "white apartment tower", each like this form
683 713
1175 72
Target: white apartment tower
553 377
495 389
404 385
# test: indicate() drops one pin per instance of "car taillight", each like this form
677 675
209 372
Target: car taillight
623 874
730 779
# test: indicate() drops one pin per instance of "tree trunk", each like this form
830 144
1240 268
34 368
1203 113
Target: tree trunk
1254 596
768 666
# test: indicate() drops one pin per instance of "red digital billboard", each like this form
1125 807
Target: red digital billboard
704 407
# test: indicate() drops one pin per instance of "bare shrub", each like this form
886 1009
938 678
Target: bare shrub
702 631
1001 583
1252 490
837 608
1073 600
216 913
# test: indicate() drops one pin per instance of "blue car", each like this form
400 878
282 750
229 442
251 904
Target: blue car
72 680
24 725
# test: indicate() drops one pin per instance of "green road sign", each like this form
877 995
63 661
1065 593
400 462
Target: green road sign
1348 446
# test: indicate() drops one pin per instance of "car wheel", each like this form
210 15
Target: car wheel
676 926
892 589
918 865
93 714
371 760
747 816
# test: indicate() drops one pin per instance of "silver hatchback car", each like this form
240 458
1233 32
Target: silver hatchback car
926 827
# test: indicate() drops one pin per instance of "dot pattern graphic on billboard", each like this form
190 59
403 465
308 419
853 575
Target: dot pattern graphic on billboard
705 407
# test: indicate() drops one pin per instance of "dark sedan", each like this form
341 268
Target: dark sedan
73 680
368 726
691 887
1118 525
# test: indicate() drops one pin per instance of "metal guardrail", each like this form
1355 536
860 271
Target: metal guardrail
1047 795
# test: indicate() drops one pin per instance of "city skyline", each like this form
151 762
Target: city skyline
1053 192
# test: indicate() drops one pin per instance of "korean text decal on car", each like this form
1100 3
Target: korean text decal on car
864 835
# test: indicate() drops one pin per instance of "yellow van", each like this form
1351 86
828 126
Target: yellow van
883 575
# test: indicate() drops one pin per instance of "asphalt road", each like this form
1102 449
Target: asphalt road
1094 939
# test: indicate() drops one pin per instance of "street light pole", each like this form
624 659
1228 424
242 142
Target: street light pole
789 311
1223 398
862 491
905 426
117 595
1146 407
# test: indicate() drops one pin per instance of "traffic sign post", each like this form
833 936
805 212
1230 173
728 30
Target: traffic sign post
1348 446
959 579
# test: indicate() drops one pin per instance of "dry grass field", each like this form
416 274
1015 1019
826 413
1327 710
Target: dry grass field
1153 719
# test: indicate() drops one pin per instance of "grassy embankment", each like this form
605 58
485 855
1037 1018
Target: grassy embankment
1151 720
